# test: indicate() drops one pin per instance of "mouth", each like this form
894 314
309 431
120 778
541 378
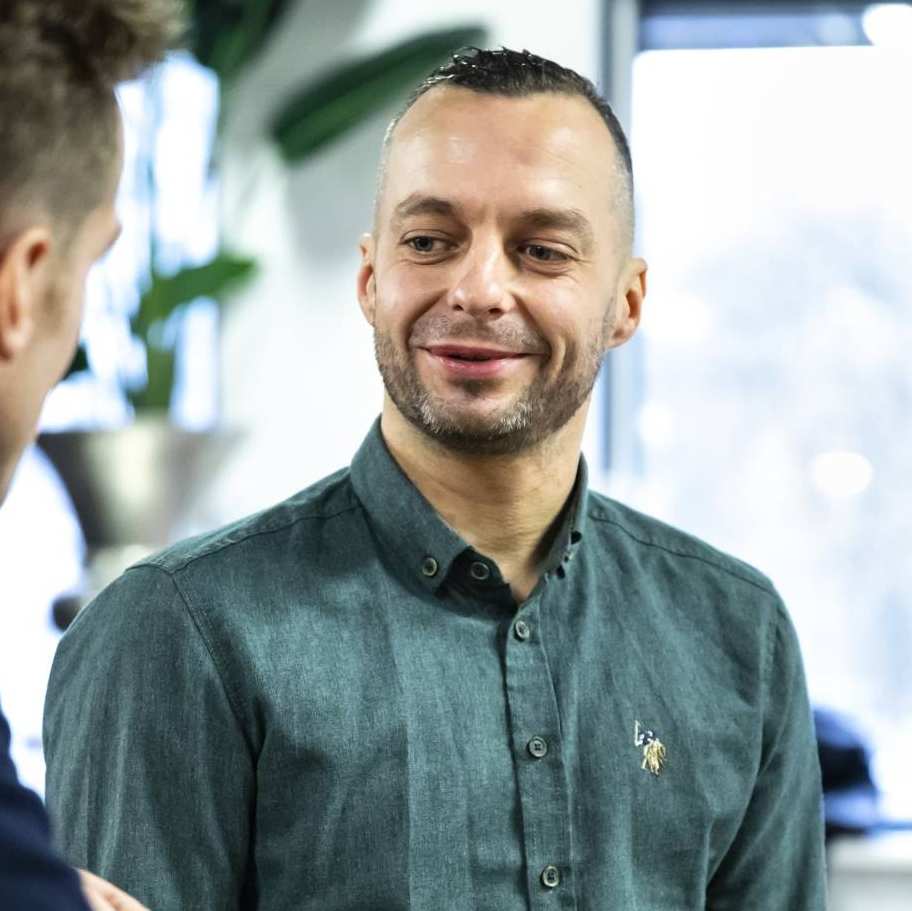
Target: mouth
472 352
475 361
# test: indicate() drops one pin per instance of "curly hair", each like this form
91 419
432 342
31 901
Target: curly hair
59 63
518 74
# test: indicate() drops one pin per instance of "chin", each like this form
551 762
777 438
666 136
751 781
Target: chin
502 431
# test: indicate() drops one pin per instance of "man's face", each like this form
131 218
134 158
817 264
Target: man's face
54 284
498 273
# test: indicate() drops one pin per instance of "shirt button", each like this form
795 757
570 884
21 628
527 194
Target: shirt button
429 567
479 571
550 876
522 630
537 747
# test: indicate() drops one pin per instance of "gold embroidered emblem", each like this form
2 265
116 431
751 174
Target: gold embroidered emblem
653 749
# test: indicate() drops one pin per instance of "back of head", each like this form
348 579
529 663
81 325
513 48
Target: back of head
59 63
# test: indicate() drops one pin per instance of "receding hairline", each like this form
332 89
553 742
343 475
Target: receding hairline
623 195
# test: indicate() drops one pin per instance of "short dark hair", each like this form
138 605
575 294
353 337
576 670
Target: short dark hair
518 74
59 63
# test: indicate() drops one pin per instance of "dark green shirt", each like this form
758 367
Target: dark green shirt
337 704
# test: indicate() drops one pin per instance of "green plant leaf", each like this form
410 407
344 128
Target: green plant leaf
347 95
156 393
79 364
167 293
228 34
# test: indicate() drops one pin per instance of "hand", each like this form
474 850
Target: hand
102 896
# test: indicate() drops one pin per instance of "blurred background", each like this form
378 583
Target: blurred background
765 404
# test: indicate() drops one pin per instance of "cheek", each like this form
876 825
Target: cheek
68 306
564 318
74 305
402 296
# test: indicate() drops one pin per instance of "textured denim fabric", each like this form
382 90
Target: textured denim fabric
328 706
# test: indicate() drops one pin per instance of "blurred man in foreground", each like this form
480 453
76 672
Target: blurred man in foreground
60 162
451 676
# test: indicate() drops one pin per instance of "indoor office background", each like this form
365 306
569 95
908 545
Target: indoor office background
764 405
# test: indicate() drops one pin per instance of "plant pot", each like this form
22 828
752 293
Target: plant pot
130 488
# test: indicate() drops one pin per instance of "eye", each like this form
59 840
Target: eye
422 243
544 254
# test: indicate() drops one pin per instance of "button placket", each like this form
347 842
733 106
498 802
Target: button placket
541 776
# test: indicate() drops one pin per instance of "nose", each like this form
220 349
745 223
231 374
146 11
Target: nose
481 286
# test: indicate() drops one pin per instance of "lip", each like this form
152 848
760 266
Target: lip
474 352
488 363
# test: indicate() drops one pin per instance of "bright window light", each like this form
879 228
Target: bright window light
774 194
888 25
841 474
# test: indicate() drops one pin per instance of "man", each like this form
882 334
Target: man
60 161
451 676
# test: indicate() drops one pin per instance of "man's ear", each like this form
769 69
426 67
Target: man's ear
631 291
23 277
367 294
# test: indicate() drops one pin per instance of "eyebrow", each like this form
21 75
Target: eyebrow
418 204
570 220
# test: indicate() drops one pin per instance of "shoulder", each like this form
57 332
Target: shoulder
330 501
688 586
705 610
239 564
664 548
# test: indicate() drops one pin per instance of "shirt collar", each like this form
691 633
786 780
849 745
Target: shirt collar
570 536
422 544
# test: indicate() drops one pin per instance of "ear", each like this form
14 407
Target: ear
23 277
631 291
367 296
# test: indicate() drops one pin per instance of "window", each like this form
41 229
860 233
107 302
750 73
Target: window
166 199
773 412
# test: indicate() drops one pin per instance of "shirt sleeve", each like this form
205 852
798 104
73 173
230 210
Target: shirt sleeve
31 875
776 860
149 774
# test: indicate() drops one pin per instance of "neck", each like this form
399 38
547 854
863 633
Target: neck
505 506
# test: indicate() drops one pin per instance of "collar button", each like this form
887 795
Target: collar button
479 571
429 567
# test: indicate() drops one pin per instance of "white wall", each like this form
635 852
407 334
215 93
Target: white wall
299 373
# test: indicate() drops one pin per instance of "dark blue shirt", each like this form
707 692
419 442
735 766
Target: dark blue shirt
32 877
337 704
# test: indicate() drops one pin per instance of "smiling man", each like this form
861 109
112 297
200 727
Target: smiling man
452 676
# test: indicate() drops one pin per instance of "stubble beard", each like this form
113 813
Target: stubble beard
539 411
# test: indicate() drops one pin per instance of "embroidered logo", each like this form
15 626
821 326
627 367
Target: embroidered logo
653 748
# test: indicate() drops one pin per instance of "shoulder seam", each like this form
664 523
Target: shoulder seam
224 545
217 664
767 589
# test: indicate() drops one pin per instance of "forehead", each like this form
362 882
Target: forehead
484 151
